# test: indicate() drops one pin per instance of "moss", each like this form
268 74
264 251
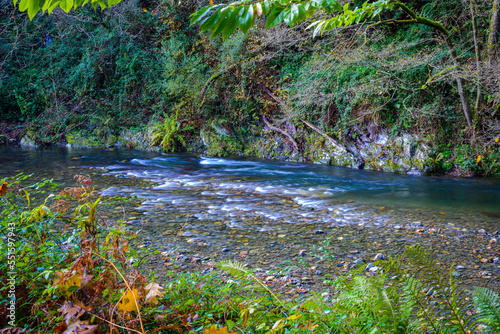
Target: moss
81 140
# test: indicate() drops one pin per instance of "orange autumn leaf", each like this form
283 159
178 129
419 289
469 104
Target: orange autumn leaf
478 159
497 139
211 2
214 330
3 189
144 10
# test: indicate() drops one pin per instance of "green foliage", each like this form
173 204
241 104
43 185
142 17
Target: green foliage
438 300
225 19
167 133
34 6
487 302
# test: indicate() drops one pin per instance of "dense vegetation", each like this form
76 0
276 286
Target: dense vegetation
139 63
91 277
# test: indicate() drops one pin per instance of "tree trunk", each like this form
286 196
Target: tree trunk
438 26
473 8
494 31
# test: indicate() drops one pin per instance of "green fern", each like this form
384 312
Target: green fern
438 300
371 304
487 302
238 270
166 133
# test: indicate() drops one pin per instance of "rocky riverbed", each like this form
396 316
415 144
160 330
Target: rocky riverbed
296 226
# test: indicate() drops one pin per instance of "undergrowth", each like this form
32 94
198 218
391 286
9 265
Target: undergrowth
69 270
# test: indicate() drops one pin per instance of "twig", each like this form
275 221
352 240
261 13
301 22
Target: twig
284 133
333 141
128 287
113 324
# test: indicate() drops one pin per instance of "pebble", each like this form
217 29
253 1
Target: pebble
302 252
225 250
484 273
460 268
398 227
319 232
318 272
496 260
456 273
357 262
379 256
481 231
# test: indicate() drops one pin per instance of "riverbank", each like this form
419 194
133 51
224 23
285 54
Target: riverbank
369 147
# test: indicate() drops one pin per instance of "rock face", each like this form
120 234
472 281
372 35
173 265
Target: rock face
378 151
27 142
364 148
138 139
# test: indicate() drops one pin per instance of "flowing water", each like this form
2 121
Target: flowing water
268 212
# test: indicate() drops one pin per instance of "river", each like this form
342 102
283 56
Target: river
274 214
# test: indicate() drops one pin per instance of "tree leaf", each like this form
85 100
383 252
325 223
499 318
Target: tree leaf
113 2
221 22
214 330
231 25
210 21
129 301
66 5
199 15
257 9
266 7
246 20
275 18
153 292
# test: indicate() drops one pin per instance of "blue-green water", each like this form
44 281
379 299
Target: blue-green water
315 186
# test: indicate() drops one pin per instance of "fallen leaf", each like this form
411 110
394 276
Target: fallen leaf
71 312
497 139
65 283
478 159
153 291
128 301
3 189
214 330
81 327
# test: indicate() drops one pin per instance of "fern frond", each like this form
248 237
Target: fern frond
451 302
238 270
487 302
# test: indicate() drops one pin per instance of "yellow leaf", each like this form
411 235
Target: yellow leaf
144 10
497 139
478 159
153 291
211 2
214 330
129 301
66 283
294 317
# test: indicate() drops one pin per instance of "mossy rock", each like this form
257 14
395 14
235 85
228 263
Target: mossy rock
80 140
